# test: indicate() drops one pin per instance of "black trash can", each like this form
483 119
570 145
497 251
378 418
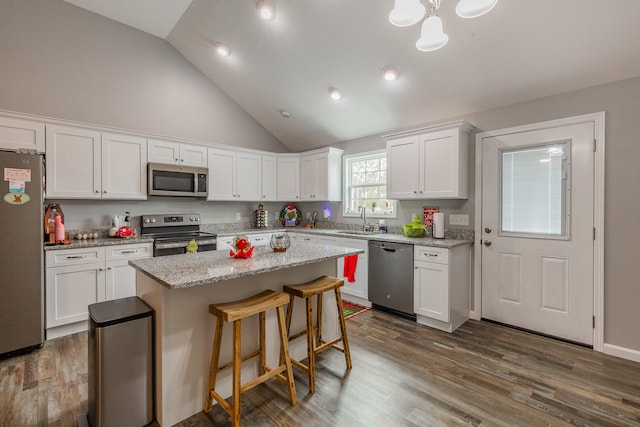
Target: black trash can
121 359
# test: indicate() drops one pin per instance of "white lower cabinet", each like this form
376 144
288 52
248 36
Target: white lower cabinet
356 291
76 278
442 280
257 239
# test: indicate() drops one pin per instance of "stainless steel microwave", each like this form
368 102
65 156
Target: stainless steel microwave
176 180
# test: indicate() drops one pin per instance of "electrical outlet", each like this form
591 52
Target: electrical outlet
238 216
458 219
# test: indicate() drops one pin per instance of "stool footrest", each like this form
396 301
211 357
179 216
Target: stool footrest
271 372
225 405
243 358
325 345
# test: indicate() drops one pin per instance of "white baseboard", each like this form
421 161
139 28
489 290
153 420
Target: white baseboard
625 353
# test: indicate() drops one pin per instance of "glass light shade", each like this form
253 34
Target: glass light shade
432 36
335 94
474 8
406 13
266 10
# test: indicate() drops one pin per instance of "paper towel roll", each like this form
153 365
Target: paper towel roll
438 225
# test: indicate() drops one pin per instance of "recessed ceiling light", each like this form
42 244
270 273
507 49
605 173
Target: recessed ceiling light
390 74
285 114
335 94
222 49
266 10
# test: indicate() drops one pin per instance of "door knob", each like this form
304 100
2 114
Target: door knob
487 230
487 242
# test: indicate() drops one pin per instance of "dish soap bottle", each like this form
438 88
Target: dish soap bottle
59 229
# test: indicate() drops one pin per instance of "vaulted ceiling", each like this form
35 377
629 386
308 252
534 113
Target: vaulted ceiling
521 50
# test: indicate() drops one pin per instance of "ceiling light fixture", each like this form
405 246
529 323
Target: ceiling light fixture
390 74
432 36
266 9
474 8
285 114
222 49
335 94
406 13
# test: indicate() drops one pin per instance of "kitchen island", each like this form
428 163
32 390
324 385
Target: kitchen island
180 288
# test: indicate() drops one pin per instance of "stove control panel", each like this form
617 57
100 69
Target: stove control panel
168 220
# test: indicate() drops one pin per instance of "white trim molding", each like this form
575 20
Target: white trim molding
625 353
598 120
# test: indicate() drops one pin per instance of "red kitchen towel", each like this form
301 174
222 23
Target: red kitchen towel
350 263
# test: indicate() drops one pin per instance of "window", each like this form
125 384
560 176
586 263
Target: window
535 191
365 181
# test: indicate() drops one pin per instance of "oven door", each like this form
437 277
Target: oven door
161 248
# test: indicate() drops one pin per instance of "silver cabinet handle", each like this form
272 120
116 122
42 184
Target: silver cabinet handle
129 251
97 191
487 242
487 230
76 256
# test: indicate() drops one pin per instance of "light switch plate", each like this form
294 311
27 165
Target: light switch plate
458 219
238 217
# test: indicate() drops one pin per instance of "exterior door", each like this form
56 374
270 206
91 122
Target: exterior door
538 230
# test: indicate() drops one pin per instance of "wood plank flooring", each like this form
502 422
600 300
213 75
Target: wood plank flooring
403 375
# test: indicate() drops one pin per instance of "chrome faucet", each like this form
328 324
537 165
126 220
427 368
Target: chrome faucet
363 215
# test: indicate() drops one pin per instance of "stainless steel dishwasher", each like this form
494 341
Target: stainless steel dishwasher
391 277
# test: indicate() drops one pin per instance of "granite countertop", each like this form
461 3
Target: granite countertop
203 268
104 241
383 237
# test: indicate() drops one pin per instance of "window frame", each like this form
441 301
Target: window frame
346 169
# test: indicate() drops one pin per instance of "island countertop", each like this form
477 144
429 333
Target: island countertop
203 268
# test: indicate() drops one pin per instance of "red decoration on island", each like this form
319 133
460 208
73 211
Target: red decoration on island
241 247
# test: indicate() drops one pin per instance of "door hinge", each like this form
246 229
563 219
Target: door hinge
594 145
594 233
594 322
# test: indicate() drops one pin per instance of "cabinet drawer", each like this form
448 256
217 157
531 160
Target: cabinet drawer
143 250
65 257
426 253
262 239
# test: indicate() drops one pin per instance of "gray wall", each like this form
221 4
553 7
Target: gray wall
61 61
621 102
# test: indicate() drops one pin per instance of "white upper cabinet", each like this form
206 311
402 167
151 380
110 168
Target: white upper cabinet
234 175
429 163
288 185
21 134
321 175
124 166
176 153
88 164
74 163
269 178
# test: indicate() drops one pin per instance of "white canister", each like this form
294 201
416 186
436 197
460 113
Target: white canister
438 225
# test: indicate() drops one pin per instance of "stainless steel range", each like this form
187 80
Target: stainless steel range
173 232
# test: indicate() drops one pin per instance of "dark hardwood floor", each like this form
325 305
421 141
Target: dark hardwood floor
403 375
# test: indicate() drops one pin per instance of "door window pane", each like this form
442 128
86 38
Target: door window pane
534 191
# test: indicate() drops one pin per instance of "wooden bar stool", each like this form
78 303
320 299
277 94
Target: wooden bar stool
234 312
307 290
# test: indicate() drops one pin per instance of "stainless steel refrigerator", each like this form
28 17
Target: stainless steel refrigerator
21 256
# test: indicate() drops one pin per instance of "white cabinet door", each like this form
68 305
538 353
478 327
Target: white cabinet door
269 178
443 165
431 290
224 243
73 163
120 280
193 155
222 167
163 152
176 153
288 177
307 177
321 175
248 176
402 168
21 134
70 290
124 167
360 287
